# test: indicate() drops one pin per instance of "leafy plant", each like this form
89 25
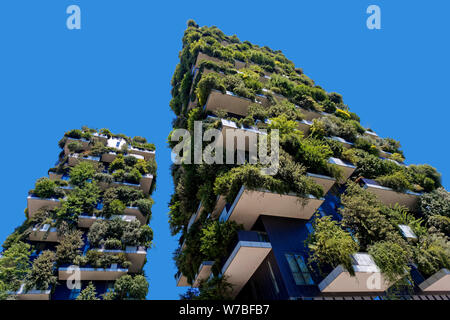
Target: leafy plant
330 245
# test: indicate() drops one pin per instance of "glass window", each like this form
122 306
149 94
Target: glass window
299 269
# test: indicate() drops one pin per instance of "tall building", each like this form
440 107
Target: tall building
343 217
86 231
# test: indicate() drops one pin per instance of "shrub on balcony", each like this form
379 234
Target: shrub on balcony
330 245
14 266
129 288
129 233
41 276
425 176
75 146
216 288
104 260
390 145
366 144
117 164
74 133
69 246
361 212
88 293
333 126
206 84
114 208
113 244
82 172
46 188
440 223
145 206
432 254
391 258
397 181
125 194
216 239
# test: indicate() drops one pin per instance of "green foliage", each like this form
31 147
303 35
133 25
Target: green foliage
14 266
75 146
216 288
216 239
80 173
129 233
434 203
130 288
397 181
46 188
69 247
114 208
330 245
432 253
361 212
391 258
88 293
41 276
206 84
441 223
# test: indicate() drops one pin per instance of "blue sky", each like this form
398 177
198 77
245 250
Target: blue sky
115 72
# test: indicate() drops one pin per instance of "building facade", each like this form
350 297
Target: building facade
86 231
343 218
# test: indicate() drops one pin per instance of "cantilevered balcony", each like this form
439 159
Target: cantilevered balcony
250 204
204 271
147 154
389 196
35 203
44 233
346 167
84 144
346 144
249 252
439 282
55 176
324 181
86 221
146 183
204 57
181 280
93 274
136 255
304 126
195 216
32 294
367 278
311 114
75 158
228 101
134 211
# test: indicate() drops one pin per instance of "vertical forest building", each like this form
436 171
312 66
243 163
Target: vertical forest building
344 217
86 231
